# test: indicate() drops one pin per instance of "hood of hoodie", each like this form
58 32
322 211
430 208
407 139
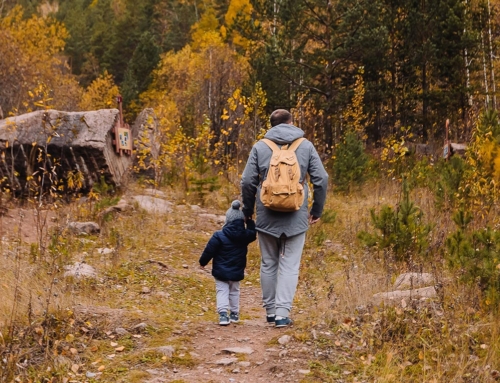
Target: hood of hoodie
234 230
284 134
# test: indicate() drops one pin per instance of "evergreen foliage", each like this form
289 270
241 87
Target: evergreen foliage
476 254
450 175
350 163
401 230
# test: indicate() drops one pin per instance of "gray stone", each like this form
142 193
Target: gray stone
304 372
84 227
244 364
272 349
236 371
121 206
145 290
400 296
238 350
168 351
153 205
121 331
413 280
154 193
284 339
140 326
105 251
226 361
80 270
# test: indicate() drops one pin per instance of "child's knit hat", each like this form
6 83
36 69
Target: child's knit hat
234 212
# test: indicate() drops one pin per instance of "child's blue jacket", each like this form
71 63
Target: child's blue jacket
228 248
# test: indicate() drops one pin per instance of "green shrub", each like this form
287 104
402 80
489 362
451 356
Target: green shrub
449 176
477 255
351 163
203 183
328 216
401 229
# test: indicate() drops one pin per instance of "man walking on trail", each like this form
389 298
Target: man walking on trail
282 235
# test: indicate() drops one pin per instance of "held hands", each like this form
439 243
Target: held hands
313 219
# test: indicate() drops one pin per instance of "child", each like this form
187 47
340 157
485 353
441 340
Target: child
228 249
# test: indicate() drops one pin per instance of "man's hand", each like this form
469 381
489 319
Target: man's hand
313 219
247 218
202 267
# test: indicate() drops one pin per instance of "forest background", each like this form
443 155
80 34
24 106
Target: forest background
232 62
365 80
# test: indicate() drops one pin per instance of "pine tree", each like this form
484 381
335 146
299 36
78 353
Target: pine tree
350 163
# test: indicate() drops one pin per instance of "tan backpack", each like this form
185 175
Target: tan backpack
282 190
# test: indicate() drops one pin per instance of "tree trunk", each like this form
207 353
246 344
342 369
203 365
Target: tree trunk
424 102
492 57
485 73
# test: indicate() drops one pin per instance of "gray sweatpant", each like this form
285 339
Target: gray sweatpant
228 296
279 274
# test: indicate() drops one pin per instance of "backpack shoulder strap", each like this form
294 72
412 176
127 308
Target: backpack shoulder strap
295 144
271 145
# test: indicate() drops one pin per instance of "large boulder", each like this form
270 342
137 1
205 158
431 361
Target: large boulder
61 143
398 296
153 205
413 281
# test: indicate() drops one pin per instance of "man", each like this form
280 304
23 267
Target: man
282 235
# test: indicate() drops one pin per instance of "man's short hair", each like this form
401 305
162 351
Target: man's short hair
280 116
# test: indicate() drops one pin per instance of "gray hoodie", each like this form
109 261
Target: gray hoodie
273 222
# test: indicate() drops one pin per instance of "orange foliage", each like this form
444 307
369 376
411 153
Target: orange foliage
30 58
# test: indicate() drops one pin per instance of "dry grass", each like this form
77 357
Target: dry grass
151 278
450 339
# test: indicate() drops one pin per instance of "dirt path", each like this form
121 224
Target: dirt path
258 355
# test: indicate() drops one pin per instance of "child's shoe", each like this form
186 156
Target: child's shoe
234 317
270 319
223 319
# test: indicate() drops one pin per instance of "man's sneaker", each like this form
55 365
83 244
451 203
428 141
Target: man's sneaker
223 319
283 322
270 319
234 317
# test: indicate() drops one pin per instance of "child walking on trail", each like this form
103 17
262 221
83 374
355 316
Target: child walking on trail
228 248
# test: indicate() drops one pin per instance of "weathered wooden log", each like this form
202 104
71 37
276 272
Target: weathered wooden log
51 146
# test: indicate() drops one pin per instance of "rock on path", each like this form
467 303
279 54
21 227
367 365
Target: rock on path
239 353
